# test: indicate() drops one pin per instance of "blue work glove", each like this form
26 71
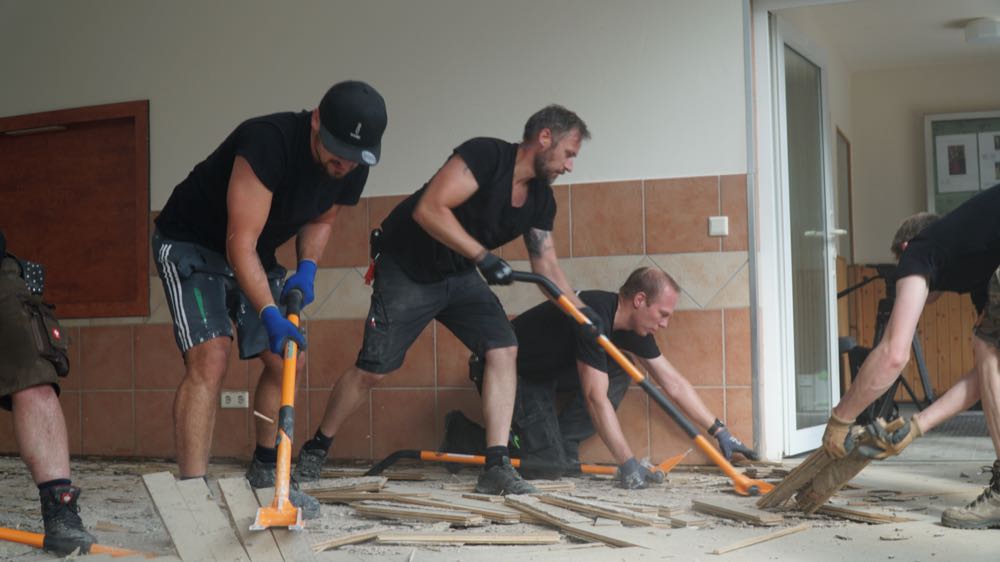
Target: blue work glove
729 444
303 280
495 270
279 330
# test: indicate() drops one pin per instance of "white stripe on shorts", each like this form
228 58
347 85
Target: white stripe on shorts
173 283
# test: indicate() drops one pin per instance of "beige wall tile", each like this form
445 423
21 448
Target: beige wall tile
677 212
735 293
702 275
346 295
607 218
733 190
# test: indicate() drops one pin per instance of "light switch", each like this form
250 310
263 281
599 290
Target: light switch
718 226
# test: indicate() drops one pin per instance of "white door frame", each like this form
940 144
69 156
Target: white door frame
769 263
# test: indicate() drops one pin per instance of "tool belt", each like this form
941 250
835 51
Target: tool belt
50 342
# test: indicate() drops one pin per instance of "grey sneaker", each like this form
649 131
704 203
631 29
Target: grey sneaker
261 475
982 513
310 465
64 530
501 480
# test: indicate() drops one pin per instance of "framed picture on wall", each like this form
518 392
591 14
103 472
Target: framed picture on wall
962 156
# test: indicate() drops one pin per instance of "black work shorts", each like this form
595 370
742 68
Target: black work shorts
22 365
401 308
205 299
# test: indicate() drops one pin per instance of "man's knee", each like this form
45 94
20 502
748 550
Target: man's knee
33 395
501 356
366 380
208 360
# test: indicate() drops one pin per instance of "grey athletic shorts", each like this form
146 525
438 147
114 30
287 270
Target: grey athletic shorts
988 326
401 308
205 299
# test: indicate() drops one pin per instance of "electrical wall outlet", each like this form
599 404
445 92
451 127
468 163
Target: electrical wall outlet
235 399
718 226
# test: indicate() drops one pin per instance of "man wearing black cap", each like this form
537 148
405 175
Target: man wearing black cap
488 193
274 177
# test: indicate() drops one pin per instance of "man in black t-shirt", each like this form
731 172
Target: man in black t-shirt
488 193
959 252
274 177
553 355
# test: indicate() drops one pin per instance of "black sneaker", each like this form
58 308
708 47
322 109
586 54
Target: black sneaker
310 465
501 480
64 531
261 475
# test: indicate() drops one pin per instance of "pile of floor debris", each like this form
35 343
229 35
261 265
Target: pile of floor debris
422 509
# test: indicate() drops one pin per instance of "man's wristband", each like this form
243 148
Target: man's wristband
716 427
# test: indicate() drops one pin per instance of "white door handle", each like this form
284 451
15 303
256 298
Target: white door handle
834 233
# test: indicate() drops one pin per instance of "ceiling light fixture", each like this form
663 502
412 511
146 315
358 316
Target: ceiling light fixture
983 30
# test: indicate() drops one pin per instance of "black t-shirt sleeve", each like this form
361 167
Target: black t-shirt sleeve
355 184
261 145
482 156
918 259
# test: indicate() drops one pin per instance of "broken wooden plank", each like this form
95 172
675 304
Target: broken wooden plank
390 511
738 512
176 517
363 484
353 538
292 544
860 516
681 520
541 486
763 538
352 496
213 524
796 479
483 497
663 509
580 527
242 503
495 513
400 475
468 538
601 509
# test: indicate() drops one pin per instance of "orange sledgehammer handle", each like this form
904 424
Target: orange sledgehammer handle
36 540
480 460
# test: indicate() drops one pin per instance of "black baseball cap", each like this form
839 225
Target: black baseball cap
352 119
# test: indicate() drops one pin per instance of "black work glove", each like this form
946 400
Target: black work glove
495 270
590 332
632 475
729 444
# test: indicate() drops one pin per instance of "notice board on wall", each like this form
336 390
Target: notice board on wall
962 153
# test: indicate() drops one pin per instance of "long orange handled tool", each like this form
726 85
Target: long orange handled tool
281 512
36 539
461 458
743 485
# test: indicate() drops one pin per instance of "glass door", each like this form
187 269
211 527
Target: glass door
811 385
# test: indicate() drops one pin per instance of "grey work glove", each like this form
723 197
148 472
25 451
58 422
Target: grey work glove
632 475
891 443
729 444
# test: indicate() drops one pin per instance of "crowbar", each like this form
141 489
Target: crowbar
461 458
742 484
37 539
281 512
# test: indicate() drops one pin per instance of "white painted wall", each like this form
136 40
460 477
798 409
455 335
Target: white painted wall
889 108
660 82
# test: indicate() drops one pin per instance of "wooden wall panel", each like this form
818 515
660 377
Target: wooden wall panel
74 186
945 331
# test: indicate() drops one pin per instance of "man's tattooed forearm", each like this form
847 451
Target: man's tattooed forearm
536 240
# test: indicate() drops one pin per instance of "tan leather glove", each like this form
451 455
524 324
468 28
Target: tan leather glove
835 435
892 442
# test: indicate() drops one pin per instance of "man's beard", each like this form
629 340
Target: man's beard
542 174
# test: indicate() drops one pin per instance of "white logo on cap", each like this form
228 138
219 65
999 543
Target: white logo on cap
368 157
357 132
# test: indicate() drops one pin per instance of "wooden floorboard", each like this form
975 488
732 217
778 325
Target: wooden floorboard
242 503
